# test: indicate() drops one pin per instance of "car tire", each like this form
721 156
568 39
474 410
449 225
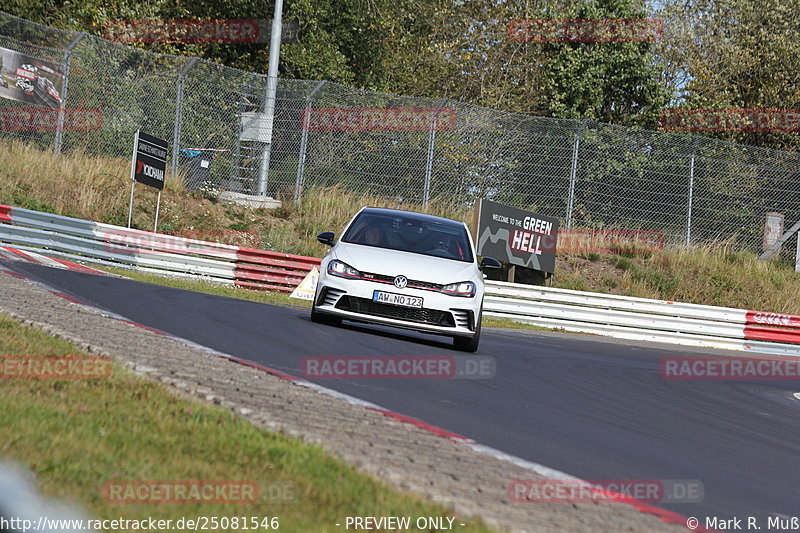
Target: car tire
469 344
322 318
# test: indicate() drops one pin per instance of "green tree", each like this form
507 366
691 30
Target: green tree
734 54
477 61
362 42
460 50
615 82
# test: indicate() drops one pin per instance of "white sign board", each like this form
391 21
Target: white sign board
256 128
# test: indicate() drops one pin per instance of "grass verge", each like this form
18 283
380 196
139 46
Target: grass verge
208 287
78 435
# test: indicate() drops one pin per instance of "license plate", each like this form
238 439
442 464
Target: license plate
396 299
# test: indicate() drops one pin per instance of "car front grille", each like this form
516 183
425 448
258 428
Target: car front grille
412 283
365 306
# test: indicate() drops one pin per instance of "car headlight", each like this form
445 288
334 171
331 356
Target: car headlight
464 288
342 270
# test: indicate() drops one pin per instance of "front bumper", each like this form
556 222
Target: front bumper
441 313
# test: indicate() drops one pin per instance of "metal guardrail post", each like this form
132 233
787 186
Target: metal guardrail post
573 173
426 194
60 125
176 137
301 159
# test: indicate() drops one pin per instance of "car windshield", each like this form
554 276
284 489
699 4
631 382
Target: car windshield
411 234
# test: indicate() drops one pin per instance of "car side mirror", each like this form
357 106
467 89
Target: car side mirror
326 237
490 262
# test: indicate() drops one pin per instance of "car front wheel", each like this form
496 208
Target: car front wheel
322 318
469 344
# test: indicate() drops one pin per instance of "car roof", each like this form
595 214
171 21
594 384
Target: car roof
422 217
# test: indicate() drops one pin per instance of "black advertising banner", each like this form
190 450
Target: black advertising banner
149 160
518 237
30 80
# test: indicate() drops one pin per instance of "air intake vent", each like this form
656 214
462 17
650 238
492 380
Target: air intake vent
423 316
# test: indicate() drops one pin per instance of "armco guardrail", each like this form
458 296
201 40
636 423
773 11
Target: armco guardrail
603 314
645 319
99 243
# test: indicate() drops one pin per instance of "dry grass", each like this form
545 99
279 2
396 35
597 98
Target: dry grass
77 435
710 274
98 188
75 184
716 274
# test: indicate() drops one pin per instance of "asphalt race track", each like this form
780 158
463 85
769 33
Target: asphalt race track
591 407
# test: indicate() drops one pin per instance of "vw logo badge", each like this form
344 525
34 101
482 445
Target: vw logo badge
400 282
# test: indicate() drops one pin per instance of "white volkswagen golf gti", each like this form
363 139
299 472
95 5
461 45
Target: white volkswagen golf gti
403 269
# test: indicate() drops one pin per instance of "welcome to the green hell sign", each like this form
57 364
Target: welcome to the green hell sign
516 236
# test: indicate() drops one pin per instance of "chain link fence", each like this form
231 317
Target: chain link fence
413 150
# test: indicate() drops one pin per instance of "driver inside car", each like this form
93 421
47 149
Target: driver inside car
374 236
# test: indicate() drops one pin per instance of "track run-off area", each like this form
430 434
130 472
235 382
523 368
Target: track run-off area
594 408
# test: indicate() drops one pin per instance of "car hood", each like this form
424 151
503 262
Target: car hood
413 266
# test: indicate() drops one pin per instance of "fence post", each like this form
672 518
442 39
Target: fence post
426 193
301 159
783 238
573 173
176 137
67 60
691 193
691 197
270 95
797 255
236 181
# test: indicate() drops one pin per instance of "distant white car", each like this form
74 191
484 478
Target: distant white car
403 269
